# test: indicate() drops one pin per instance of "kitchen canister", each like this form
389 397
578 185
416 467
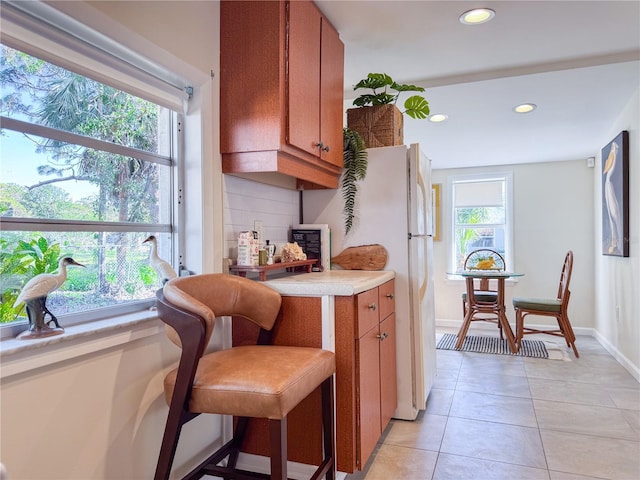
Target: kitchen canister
248 248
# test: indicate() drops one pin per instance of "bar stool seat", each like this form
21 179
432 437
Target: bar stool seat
265 381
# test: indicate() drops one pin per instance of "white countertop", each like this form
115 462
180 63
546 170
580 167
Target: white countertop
332 282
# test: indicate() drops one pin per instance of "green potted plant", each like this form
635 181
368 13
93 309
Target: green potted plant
377 119
354 154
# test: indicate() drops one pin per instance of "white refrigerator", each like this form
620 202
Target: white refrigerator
394 209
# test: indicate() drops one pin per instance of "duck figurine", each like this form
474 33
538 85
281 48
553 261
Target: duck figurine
164 270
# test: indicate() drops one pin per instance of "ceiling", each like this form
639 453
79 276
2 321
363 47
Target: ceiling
578 61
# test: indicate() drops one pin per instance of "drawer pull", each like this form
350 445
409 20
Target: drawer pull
372 306
382 336
390 296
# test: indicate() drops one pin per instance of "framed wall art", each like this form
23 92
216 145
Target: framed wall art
615 196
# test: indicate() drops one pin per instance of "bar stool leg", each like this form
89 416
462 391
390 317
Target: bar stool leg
278 440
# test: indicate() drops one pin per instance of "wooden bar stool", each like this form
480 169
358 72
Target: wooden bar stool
249 381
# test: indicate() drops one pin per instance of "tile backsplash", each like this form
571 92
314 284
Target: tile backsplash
246 202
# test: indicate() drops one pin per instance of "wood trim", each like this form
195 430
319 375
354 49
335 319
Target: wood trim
345 314
388 371
310 169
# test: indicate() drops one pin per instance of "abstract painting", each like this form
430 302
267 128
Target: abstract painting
615 196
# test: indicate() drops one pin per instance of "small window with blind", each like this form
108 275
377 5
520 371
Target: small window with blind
481 216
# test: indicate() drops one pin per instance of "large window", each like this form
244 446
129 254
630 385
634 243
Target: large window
87 171
481 216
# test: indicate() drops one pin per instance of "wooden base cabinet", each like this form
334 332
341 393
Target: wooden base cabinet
281 91
365 373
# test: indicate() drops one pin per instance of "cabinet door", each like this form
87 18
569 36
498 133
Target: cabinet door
368 347
331 95
303 121
388 384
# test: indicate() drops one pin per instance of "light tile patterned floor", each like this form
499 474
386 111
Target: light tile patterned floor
501 417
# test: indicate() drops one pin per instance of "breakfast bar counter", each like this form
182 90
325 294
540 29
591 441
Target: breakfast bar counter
332 282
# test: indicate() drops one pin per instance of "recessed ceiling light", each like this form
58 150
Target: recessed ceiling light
524 108
438 117
477 16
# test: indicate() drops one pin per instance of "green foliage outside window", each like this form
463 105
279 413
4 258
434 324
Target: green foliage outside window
17 265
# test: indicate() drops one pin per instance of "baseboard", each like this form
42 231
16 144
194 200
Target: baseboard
591 332
622 360
447 323
296 471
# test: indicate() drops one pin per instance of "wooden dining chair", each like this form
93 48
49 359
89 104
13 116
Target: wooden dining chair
248 381
550 307
485 293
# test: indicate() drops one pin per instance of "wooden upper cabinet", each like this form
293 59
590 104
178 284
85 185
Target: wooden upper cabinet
281 91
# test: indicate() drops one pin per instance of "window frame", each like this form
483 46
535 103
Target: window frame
175 162
507 177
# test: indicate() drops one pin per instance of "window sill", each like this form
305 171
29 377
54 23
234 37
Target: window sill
19 356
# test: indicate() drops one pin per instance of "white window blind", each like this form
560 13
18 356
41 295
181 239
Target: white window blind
89 53
481 209
479 194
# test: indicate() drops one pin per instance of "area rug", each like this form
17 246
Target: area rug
530 348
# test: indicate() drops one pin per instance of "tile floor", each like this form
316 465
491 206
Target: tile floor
502 417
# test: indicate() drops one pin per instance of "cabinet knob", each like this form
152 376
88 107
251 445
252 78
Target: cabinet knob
322 146
390 296
372 306
382 336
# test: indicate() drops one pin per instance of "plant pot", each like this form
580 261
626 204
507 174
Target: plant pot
379 126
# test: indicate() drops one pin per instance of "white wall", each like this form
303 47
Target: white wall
97 416
553 213
617 279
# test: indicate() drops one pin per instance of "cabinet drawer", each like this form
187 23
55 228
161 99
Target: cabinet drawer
367 315
387 299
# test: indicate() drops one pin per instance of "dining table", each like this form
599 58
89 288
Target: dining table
477 306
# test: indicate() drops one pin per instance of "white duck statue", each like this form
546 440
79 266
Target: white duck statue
164 270
34 295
